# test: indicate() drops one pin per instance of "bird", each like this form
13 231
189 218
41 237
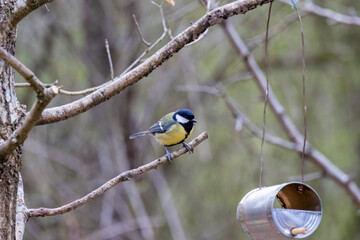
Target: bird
172 129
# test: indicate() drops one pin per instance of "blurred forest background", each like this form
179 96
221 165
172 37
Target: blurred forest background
196 196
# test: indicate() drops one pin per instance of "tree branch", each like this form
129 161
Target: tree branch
24 8
125 176
44 96
189 35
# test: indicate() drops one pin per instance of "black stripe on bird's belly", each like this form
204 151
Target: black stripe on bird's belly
188 127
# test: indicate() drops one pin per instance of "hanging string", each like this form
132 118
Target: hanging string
266 97
303 90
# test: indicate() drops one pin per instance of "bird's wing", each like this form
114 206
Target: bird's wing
163 125
157 128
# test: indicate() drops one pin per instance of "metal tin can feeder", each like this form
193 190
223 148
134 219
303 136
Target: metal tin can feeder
296 213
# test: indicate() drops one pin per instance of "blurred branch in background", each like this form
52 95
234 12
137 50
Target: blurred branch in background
125 176
332 16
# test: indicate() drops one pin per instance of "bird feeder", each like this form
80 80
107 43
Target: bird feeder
284 211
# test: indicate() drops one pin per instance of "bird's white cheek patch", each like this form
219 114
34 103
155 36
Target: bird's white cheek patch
181 119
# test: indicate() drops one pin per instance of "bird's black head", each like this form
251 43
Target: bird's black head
186 118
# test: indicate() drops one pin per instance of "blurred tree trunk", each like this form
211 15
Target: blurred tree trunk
11 113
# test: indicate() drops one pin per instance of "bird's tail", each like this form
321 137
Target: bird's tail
139 134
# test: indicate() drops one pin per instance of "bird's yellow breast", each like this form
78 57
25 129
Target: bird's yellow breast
175 135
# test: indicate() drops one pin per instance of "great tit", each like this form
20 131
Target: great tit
171 129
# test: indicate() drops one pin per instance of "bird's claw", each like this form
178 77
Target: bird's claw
168 155
187 146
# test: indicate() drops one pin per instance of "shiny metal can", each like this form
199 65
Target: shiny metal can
284 211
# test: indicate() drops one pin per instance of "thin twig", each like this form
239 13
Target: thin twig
66 92
125 176
22 85
80 92
163 20
139 31
109 59
165 31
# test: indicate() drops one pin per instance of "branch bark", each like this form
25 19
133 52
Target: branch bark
21 216
189 35
125 176
23 9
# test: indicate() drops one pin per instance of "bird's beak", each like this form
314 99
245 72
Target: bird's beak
194 120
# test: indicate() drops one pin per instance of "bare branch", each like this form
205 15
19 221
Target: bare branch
333 16
109 58
190 34
125 176
139 31
80 92
26 73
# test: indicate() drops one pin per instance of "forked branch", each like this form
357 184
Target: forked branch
44 96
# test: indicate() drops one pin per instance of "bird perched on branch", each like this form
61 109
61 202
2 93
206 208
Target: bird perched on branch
172 129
